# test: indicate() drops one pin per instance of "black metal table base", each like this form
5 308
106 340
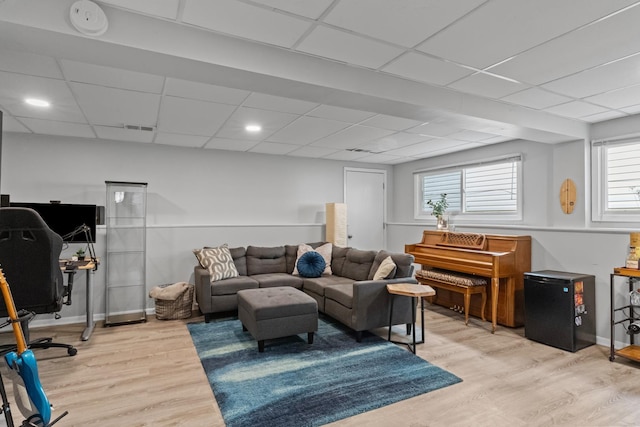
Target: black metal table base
413 343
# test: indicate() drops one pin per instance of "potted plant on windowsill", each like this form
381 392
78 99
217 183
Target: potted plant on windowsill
438 209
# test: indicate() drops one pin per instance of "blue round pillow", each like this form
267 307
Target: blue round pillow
311 264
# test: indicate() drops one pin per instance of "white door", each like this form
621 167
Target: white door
365 199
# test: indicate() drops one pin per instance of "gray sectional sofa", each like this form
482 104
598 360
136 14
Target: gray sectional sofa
349 294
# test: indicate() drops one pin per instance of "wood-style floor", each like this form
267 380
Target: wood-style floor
149 375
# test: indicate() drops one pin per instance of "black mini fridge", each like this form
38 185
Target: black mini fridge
560 309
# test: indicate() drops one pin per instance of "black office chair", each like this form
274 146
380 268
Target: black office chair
29 258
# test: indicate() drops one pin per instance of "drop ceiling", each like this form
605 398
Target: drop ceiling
373 81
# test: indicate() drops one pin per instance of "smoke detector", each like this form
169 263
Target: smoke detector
88 18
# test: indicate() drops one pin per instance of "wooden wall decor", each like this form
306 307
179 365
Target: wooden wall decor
568 196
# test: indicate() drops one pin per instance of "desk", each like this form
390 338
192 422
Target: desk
413 291
89 267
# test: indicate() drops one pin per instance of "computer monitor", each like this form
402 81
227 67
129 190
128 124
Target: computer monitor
65 218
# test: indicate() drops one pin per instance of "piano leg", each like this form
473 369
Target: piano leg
495 288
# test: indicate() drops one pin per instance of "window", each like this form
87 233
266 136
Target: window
479 190
616 166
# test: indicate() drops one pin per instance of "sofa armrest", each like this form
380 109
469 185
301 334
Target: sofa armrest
371 303
203 288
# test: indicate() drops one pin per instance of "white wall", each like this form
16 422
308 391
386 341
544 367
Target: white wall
559 241
195 197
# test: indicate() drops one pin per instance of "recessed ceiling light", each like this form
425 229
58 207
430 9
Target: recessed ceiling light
37 102
253 128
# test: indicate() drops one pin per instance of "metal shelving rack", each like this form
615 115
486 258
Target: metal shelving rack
125 219
630 313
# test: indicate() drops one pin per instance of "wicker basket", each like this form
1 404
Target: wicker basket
180 308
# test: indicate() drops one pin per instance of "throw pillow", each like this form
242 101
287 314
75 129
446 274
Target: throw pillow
311 264
386 270
324 250
217 261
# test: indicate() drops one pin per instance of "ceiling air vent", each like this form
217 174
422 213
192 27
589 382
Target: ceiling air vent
140 128
360 150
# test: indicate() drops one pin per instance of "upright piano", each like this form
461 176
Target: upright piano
502 259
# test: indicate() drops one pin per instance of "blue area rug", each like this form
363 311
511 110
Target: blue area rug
296 384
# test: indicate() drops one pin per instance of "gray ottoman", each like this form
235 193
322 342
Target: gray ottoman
269 313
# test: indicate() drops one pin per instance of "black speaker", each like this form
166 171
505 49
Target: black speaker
100 215
4 201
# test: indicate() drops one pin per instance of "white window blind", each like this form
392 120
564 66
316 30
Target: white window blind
623 177
486 188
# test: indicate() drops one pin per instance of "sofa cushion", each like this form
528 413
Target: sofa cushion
272 280
341 294
324 250
217 261
338 257
239 256
318 285
402 261
233 285
386 270
311 264
261 260
358 264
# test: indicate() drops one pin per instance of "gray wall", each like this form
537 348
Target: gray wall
195 197
206 197
560 241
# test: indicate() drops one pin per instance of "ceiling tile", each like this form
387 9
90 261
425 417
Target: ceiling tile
204 92
470 135
278 103
596 44
378 158
346 156
391 142
404 22
575 109
116 107
422 68
416 149
230 144
310 9
390 122
122 134
29 63
305 130
164 8
487 85
180 140
352 137
14 88
619 98
435 129
345 47
633 109
599 117
536 98
270 121
9 124
516 25
192 117
50 127
111 77
273 148
309 151
601 79
346 115
244 20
